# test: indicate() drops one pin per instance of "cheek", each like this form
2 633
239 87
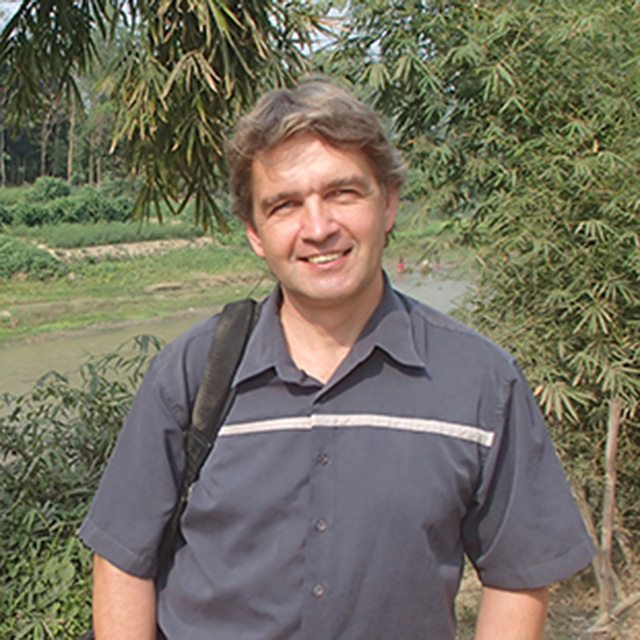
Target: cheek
278 241
372 230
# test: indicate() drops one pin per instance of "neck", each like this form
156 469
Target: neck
319 337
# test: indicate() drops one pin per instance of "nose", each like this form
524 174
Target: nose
318 222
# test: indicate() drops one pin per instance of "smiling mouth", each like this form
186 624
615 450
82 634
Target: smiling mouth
326 257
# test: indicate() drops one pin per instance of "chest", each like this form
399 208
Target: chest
362 457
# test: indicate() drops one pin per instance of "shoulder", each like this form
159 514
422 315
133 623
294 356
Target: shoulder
443 339
175 372
468 370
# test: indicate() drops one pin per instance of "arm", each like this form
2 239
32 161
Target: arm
124 606
512 615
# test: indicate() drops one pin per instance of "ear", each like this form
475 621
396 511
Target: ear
254 238
391 208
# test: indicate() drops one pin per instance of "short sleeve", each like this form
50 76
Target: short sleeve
523 529
139 488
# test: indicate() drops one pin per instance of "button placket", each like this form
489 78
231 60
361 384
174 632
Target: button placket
318 552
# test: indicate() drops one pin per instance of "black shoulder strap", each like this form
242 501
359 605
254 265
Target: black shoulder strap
212 403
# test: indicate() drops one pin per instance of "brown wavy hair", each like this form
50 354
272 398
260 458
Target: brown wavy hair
315 106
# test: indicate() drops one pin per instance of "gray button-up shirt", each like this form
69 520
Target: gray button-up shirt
341 510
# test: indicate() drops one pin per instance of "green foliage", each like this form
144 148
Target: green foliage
119 209
72 235
54 443
30 214
55 41
524 120
12 195
119 187
46 189
186 263
185 73
5 216
17 256
86 204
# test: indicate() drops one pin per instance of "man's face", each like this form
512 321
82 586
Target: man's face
320 219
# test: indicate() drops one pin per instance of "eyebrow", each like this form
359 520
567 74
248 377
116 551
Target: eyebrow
350 181
281 196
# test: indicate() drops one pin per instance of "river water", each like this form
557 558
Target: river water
21 365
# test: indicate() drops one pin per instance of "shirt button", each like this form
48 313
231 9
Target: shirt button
321 525
318 590
322 459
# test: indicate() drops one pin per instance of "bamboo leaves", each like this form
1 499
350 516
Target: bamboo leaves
529 138
187 68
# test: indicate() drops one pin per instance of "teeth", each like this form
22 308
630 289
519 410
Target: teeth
326 257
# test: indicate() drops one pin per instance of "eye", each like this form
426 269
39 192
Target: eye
344 194
282 207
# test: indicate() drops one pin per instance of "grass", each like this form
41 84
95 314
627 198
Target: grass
118 290
73 235
114 291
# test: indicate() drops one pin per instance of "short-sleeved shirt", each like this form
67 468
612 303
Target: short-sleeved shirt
341 510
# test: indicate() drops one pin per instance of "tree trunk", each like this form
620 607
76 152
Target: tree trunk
98 169
3 169
45 132
91 161
608 511
72 131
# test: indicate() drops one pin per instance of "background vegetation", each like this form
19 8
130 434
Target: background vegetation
523 117
520 122
55 441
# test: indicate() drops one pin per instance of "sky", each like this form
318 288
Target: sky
7 7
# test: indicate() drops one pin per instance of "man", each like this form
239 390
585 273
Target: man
371 444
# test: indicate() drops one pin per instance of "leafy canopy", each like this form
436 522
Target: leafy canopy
524 119
187 69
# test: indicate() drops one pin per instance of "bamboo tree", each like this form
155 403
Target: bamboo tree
524 119
187 70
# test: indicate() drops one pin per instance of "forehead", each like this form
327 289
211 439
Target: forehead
305 159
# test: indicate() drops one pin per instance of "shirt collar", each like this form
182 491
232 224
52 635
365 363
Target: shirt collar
266 348
389 329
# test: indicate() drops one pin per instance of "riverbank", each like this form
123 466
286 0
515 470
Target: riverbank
115 292
128 284
137 282
23 362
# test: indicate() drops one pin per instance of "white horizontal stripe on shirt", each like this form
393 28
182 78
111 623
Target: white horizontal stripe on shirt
353 420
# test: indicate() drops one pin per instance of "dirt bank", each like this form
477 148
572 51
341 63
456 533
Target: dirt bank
128 249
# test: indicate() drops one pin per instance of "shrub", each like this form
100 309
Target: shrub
56 210
30 214
17 256
14 194
118 209
54 443
116 187
6 217
46 189
85 206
